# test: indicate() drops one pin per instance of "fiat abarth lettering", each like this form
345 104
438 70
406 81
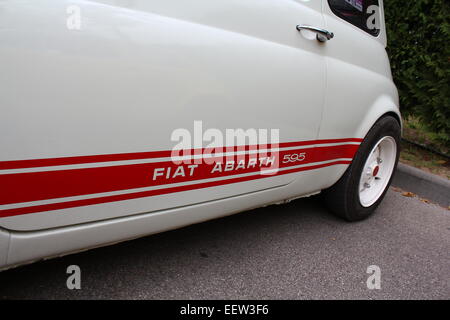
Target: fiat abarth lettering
121 119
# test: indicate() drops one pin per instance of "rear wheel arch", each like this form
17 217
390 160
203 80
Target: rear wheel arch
379 110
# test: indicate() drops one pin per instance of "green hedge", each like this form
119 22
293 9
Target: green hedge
419 49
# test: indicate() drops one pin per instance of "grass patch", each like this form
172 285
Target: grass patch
425 160
417 131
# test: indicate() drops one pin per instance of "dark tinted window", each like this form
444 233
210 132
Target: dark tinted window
365 14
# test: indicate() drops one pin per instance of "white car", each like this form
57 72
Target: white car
120 119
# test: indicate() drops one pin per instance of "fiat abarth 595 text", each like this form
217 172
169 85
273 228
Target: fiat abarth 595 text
120 119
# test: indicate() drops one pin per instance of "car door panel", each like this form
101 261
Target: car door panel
103 98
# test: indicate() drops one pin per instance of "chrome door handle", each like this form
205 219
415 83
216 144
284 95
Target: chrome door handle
322 34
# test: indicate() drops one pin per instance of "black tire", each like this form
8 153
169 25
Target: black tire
343 197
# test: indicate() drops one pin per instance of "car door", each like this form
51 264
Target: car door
92 92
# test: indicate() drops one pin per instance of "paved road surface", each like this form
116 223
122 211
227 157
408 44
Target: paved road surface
293 251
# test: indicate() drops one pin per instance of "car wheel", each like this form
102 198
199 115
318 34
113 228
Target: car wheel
364 184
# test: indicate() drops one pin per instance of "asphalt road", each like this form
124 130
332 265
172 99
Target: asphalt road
293 251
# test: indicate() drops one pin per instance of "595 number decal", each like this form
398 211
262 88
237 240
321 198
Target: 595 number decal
294 157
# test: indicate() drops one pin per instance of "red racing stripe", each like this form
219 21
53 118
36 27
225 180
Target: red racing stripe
35 186
136 195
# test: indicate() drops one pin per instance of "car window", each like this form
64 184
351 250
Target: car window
365 14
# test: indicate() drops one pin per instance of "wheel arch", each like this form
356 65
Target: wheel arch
383 106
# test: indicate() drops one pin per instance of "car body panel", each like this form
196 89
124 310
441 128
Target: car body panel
129 78
93 111
5 238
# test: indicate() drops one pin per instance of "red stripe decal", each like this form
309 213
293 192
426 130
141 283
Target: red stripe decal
48 185
34 186
86 202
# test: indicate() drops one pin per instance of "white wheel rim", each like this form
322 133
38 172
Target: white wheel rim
377 171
